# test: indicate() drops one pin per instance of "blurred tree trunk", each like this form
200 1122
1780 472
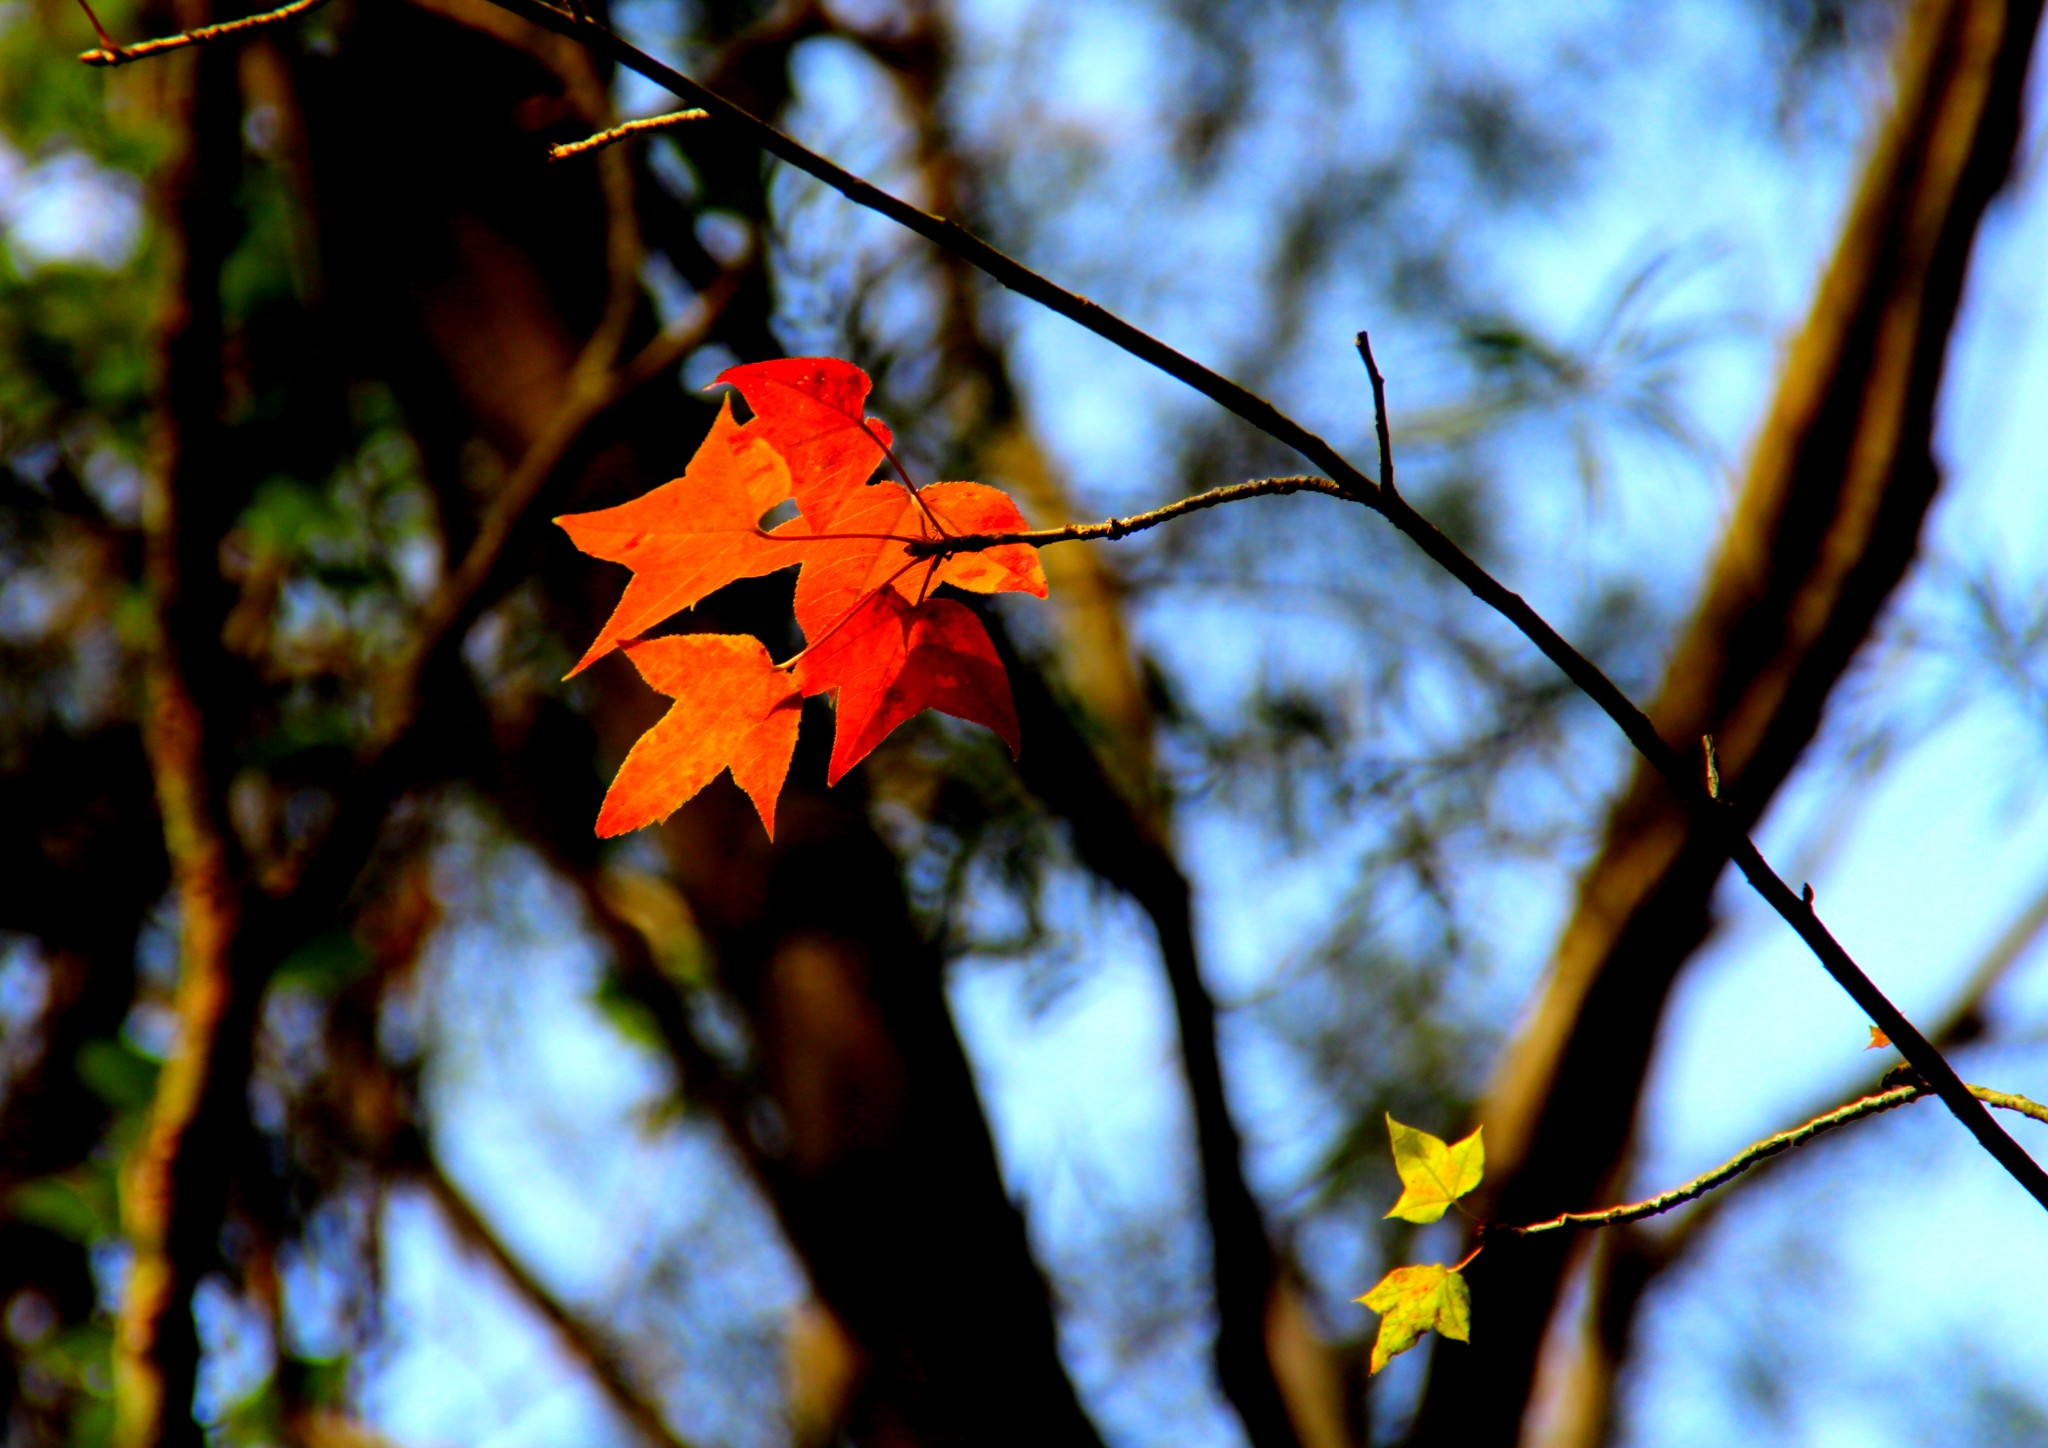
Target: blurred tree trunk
1826 526
1091 764
174 1186
471 269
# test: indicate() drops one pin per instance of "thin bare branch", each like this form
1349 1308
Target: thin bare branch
106 40
1352 483
1123 527
111 54
622 131
1762 1151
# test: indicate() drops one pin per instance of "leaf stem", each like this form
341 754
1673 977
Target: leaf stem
903 476
865 599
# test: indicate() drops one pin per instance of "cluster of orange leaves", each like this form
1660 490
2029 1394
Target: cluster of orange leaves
876 638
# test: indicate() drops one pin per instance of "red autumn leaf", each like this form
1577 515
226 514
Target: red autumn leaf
890 660
733 709
879 643
814 411
861 551
688 538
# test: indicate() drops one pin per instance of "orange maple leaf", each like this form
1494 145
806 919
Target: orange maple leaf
879 643
733 709
894 659
688 538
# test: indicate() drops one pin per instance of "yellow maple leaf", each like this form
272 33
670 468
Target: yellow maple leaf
1413 1300
1433 1175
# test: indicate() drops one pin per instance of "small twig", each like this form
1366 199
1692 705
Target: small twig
623 130
1713 763
1379 411
111 54
1760 1152
1120 527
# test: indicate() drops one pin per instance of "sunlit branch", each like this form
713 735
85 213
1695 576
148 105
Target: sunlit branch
622 131
1760 1152
1352 483
1123 527
111 54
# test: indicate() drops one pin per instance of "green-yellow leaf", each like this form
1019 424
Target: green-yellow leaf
1411 1301
1433 1175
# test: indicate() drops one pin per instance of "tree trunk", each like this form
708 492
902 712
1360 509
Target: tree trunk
1826 526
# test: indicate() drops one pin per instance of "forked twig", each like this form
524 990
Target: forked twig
111 54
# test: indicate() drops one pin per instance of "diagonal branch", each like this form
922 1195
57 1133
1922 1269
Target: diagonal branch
1757 1154
582 1340
1631 1262
1383 499
1825 528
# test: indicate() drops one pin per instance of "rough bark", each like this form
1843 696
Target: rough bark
1826 525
